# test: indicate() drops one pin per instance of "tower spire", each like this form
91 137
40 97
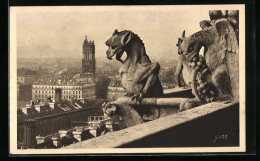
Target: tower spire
88 60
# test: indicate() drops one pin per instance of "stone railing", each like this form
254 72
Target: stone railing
200 126
134 112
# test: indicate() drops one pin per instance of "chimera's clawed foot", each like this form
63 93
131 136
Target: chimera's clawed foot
188 104
137 97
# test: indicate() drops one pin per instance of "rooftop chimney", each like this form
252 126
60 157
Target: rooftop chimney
51 104
49 99
82 100
57 95
24 110
32 103
38 108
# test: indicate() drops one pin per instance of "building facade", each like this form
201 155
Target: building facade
25 79
115 90
25 76
69 92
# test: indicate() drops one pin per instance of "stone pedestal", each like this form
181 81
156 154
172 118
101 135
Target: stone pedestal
40 139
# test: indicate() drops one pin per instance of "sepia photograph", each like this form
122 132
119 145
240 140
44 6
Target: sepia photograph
127 79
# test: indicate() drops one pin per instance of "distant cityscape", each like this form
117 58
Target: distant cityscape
59 94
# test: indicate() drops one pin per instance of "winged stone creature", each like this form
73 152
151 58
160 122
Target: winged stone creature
139 76
219 37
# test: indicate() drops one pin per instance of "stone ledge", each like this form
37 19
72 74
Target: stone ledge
134 133
178 92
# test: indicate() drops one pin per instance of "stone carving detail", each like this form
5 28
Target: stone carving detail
139 76
195 73
211 76
215 74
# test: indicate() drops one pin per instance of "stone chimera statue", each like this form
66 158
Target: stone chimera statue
219 37
139 76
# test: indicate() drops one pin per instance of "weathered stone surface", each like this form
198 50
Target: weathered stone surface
178 92
134 133
150 101
220 38
130 116
139 76
134 113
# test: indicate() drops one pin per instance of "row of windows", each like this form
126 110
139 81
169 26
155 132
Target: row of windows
27 78
116 93
43 96
64 92
30 78
20 78
54 87
66 96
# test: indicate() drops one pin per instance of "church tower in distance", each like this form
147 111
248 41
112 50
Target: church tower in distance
88 60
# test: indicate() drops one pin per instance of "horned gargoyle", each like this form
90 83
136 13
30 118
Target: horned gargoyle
215 74
139 76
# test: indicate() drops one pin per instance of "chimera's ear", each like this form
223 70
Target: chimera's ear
183 34
115 32
126 38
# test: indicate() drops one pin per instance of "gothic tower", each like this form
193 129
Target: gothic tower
88 60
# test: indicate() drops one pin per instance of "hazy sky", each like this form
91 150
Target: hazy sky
60 31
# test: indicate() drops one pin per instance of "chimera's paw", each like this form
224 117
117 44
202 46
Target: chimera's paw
188 104
138 97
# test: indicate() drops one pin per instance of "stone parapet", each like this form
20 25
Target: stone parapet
145 131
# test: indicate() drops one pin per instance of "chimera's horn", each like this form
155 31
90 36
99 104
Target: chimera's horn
183 34
115 32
